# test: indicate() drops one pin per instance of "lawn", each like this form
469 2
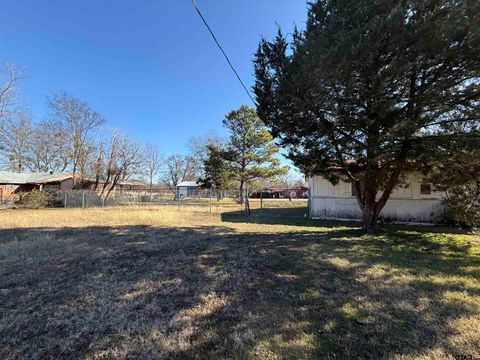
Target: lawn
148 283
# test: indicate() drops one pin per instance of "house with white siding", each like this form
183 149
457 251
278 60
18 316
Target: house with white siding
414 201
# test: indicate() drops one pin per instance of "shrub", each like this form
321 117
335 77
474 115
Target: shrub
464 204
145 198
35 199
447 216
457 173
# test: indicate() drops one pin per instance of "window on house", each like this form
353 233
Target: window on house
425 189
8 186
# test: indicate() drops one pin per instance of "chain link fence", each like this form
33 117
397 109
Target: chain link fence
211 200
207 198
279 207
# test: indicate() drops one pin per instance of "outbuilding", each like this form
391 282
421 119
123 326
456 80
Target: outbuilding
415 201
186 189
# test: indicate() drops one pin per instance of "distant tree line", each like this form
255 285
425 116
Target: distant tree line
73 137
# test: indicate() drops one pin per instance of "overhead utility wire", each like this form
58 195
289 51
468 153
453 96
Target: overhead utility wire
223 51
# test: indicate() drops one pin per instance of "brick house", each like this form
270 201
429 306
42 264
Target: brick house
12 183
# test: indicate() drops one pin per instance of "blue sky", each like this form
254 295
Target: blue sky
149 66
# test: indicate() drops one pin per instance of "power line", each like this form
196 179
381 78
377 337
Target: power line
223 51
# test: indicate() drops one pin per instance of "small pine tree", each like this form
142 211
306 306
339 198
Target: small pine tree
217 173
250 151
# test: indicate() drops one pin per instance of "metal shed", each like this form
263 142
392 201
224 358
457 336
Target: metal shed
186 189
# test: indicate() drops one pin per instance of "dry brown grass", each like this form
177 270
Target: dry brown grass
166 283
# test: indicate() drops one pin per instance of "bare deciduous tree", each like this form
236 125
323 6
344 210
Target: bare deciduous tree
122 158
97 167
15 136
79 120
152 163
85 158
49 149
9 76
178 168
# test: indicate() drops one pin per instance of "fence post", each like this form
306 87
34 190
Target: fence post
65 200
103 202
83 199
210 198
178 198
261 202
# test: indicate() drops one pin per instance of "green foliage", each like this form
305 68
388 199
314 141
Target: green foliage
36 199
250 152
464 203
217 173
458 174
369 87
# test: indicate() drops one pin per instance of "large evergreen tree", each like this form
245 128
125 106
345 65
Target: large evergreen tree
370 86
250 151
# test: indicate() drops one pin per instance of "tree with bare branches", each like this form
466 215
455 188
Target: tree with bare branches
121 159
15 137
80 122
9 76
49 149
152 162
178 168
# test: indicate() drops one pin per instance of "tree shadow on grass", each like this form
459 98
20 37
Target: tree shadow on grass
292 216
213 292
299 217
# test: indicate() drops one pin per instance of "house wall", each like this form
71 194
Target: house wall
66 184
6 191
11 191
406 204
59 185
51 186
